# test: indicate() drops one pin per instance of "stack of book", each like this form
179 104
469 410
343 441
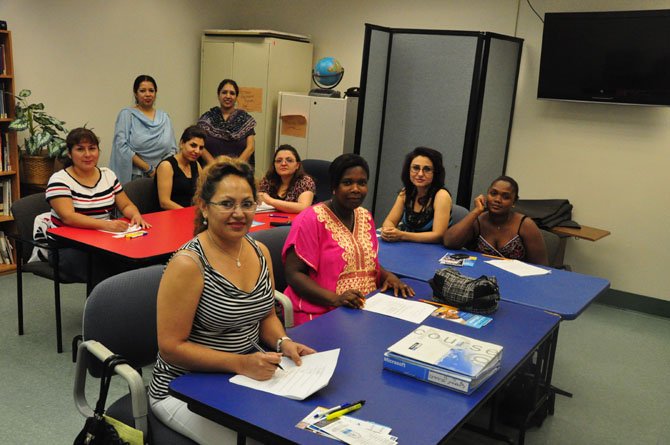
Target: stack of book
444 358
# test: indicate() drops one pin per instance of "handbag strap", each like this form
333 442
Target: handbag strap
108 366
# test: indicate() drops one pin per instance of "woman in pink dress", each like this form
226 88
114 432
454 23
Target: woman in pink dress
330 255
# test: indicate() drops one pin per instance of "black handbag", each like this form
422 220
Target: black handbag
97 431
476 295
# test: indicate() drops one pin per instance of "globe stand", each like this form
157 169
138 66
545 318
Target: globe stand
325 92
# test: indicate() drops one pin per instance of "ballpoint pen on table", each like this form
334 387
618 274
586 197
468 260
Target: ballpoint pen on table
259 349
136 234
278 216
346 410
338 408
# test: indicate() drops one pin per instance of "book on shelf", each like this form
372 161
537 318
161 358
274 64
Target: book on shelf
5 249
435 355
6 196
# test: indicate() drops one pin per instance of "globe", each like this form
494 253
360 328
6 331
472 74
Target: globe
327 73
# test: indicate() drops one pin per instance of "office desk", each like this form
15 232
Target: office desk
418 412
170 229
564 293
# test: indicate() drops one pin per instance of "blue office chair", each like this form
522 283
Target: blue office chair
318 170
120 318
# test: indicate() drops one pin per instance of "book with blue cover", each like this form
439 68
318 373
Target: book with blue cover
448 351
435 375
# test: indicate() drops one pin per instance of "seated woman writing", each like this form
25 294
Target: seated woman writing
177 176
84 195
493 228
422 210
216 298
286 186
330 254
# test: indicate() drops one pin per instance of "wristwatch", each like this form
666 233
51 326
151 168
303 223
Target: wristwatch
280 341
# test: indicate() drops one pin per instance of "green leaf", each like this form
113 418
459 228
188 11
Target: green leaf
39 106
19 124
41 139
30 147
24 93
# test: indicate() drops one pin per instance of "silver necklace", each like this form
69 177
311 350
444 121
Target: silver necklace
237 260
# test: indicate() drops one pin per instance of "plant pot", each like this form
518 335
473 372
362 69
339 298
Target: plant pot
36 169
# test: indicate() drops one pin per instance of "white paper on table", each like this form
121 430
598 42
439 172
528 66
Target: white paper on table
130 229
263 207
414 311
296 382
518 267
351 432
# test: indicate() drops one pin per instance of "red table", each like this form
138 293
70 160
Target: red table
169 230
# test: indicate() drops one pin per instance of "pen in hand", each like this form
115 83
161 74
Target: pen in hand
259 349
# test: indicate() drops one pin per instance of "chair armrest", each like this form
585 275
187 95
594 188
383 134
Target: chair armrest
138 392
287 305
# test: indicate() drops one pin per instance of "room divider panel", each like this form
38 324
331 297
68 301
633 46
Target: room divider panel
449 90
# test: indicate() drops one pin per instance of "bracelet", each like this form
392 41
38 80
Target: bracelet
150 170
280 341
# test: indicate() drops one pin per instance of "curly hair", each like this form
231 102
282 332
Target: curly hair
438 175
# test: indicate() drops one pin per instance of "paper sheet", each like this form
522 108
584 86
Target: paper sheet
263 207
296 382
518 267
130 229
396 307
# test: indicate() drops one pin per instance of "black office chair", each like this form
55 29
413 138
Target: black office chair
318 170
120 318
142 192
274 240
24 211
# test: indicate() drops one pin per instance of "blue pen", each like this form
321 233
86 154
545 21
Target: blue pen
337 408
278 216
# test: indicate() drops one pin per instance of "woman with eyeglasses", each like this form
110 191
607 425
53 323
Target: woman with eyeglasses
330 254
494 228
216 298
286 186
422 210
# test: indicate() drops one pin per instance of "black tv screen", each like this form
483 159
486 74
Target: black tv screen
611 57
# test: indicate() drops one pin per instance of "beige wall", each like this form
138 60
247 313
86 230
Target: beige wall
80 57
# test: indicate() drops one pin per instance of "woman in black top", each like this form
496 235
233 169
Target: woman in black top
422 210
177 176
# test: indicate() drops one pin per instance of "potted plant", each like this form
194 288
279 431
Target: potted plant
45 141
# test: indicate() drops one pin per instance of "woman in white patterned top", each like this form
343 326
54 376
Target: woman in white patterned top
84 195
216 298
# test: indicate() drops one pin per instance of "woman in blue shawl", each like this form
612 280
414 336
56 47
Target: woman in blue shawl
143 135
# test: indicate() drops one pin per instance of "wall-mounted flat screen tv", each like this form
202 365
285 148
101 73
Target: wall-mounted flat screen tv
610 57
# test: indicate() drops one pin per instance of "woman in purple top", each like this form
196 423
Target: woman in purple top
230 131
493 228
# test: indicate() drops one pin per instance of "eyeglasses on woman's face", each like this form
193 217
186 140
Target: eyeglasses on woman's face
229 206
427 170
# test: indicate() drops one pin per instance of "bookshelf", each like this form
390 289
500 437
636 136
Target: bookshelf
9 153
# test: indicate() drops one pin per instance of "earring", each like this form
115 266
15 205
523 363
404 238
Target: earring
204 221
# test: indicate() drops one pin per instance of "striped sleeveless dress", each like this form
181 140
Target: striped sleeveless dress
224 318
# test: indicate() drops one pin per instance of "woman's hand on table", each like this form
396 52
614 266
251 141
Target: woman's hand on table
260 365
351 298
264 198
294 350
116 225
138 220
400 289
391 234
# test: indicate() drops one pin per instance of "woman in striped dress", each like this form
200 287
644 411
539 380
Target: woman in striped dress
216 298
84 195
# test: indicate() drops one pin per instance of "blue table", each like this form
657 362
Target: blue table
417 412
564 293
